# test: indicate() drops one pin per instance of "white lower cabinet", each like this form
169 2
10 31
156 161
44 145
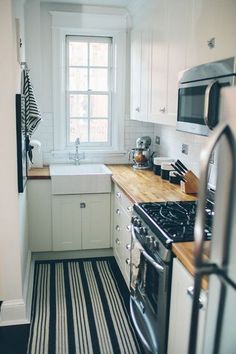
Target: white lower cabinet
81 221
122 232
39 215
180 311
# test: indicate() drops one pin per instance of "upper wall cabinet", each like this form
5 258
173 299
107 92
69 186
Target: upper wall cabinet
162 41
213 31
139 74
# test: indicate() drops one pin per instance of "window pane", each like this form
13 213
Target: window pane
78 79
78 53
79 129
99 106
99 130
78 106
98 54
98 79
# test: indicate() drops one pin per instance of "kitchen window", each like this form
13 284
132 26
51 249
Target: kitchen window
88 90
89 84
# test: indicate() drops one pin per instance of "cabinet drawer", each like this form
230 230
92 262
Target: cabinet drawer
124 201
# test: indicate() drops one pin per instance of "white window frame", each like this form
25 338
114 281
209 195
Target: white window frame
61 27
92 39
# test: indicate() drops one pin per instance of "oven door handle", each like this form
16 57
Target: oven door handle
157 266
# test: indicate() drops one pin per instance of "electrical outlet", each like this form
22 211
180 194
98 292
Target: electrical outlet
184 149
158 140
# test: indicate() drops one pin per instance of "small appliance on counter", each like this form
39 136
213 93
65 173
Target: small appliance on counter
37 154
157 161
166 168
141 154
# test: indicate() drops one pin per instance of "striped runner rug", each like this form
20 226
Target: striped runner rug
81 307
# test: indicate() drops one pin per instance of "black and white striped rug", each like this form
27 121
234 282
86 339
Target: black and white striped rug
80 306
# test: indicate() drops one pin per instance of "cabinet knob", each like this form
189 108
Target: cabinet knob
211 43
118 212
82 205
117 228
128 246
162 109
128 228
118 195
137 109
127 261
117 241
129 209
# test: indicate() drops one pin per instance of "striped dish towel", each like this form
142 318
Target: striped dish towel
32 113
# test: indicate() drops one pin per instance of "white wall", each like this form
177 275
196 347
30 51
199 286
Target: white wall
18 12
14 250
39 58
10 258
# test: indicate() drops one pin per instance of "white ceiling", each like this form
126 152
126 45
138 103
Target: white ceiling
117 3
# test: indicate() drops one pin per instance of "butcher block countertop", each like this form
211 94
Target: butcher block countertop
145 186
39 173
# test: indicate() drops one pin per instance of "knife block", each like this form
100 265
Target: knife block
191 184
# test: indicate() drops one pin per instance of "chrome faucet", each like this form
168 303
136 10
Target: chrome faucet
76 156
77 142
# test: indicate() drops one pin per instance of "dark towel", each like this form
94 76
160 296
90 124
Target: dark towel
32 113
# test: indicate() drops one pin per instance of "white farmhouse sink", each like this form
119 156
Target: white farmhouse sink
77 179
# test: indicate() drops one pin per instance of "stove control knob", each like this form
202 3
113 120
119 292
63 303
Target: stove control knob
143 231
149 240
156 245
136 221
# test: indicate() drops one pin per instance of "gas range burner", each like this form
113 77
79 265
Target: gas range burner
174 221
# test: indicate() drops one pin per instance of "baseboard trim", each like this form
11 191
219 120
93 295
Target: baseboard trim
18 311
41 256
13 312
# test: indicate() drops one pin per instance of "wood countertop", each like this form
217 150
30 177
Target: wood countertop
145 186
39 173
185 253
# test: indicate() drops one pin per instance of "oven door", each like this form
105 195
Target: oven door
149 297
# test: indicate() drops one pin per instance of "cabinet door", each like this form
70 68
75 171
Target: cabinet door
180 311
179 22
96 221
135 85
67 223
39 215
157 97
140 56
212 19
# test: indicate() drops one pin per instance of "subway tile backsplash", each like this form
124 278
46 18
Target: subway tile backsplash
171 145
171 142
133 130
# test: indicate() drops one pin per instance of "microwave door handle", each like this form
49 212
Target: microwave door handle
211 108
201 267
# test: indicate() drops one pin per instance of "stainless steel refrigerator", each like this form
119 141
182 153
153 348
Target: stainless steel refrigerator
220 326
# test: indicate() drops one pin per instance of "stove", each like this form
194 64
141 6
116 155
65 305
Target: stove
173 221
155 226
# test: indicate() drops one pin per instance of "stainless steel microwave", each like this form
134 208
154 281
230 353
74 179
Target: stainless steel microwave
198 95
